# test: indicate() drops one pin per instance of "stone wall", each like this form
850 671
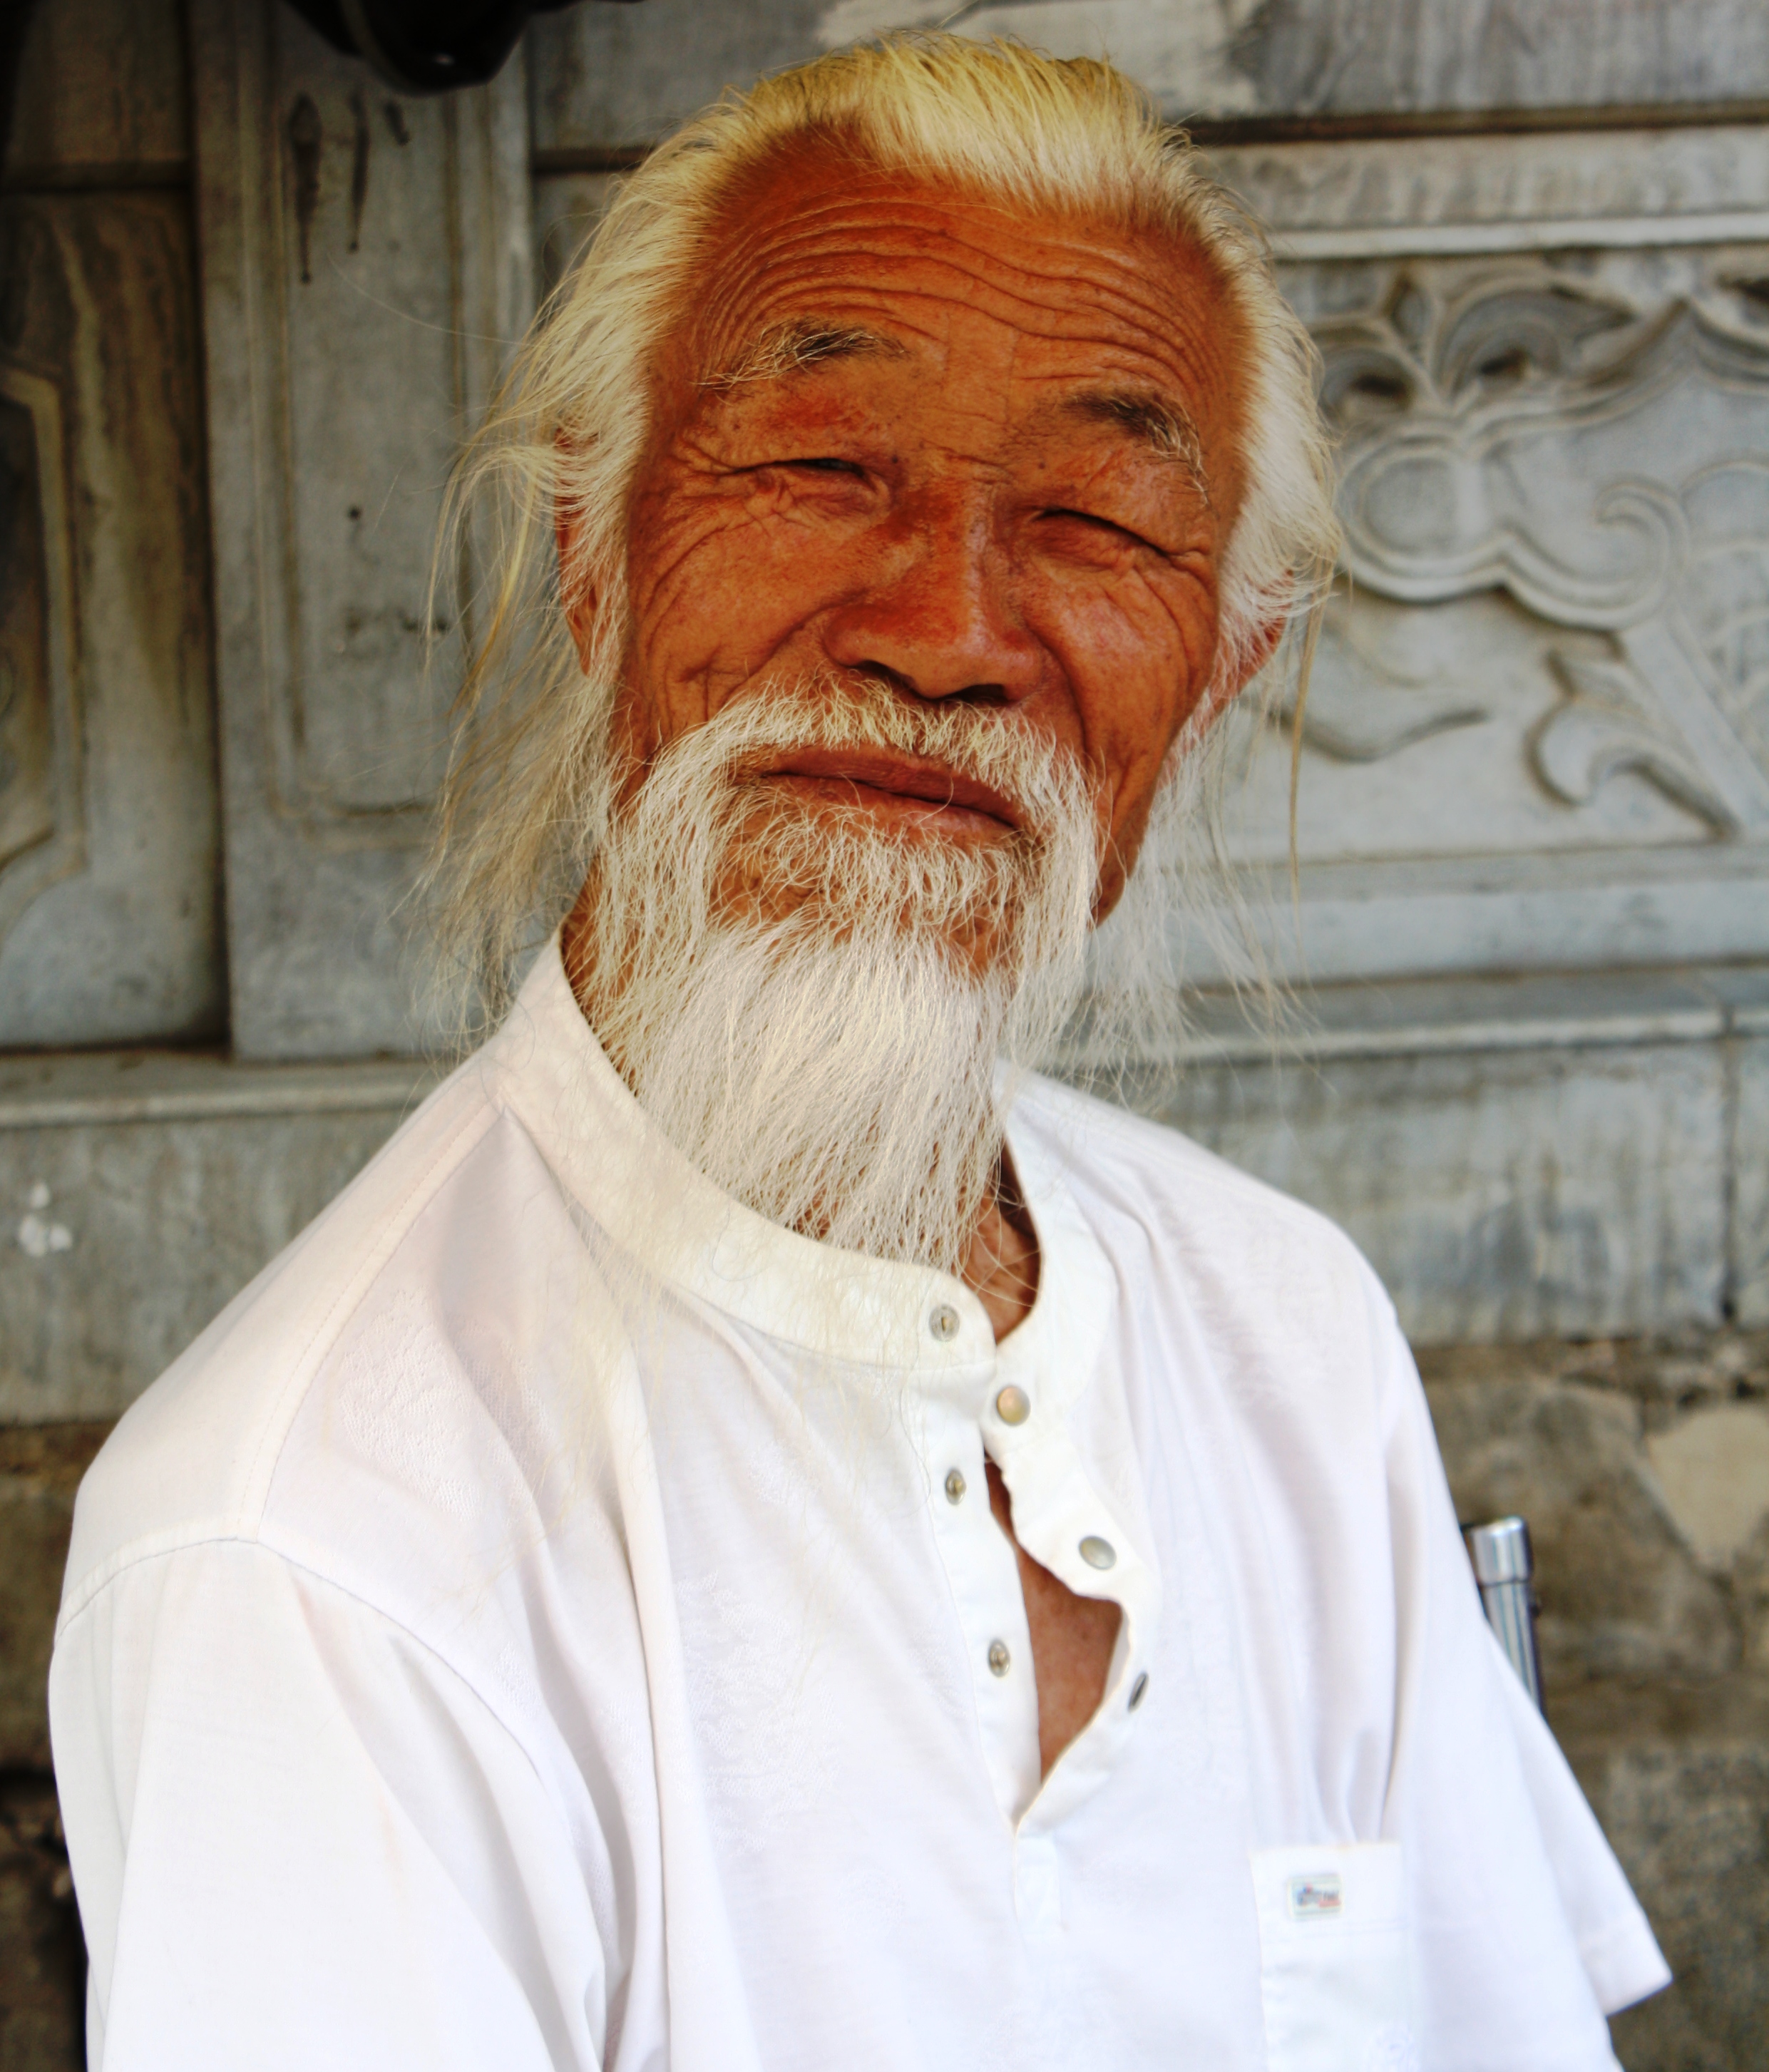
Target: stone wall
1642 1466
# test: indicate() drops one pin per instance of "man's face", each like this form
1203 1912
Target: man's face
961 452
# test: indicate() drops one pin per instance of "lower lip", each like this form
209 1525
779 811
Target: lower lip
891 805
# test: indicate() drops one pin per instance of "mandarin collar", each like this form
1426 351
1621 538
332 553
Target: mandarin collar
546 1066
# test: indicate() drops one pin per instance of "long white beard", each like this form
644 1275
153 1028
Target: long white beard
831 1060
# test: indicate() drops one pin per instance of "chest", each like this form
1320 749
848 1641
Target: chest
900 1880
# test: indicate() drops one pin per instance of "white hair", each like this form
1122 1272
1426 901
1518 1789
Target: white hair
520 821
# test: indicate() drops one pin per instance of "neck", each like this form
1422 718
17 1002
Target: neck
1001 1265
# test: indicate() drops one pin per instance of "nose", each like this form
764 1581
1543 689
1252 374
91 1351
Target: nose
936 615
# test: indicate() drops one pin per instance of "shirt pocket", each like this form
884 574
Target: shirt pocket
1333 1969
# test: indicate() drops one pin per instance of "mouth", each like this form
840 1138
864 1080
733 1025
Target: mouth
894 787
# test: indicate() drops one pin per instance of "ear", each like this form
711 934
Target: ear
579 604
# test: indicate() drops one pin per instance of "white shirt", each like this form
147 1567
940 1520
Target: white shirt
552 1619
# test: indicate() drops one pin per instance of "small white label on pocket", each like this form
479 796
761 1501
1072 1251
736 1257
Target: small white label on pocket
1313 1898
1334 1958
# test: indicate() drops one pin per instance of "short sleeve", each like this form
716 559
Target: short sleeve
299 1839
1526 1931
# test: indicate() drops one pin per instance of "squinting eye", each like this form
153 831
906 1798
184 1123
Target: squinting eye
1098 524
820 464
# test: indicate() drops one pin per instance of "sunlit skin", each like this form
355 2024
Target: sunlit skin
960 500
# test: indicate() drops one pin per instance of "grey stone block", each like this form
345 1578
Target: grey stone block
156 1189
368 265
1749 1179
605 75
110 896
1499 1194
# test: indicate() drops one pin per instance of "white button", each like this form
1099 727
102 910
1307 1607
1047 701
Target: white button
998 1658
1139 1689
1098 1553
954 1486
1013 1406
944 1323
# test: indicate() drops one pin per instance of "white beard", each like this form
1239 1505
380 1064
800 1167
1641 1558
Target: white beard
832 1061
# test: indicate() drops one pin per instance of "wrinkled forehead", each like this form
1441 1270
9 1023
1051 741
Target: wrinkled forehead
821 254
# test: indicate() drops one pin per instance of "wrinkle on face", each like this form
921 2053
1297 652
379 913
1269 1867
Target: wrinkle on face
964 449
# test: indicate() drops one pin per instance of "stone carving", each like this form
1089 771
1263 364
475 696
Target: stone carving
1542 439
1360 708
42 836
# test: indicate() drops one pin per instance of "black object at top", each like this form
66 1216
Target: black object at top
426 46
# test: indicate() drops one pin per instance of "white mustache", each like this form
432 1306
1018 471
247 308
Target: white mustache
1037 777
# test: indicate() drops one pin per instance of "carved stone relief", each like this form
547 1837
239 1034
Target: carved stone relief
1541 711
1531 438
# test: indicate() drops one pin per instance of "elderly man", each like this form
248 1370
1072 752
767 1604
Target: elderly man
757 1533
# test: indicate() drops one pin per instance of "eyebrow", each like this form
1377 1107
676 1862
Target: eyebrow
793 349
1162 428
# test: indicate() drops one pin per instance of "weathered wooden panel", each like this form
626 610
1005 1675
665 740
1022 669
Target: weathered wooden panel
608 76
367 261
109 893
101 85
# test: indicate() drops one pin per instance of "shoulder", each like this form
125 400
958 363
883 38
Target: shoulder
1124 1166
240 1439
1274 1294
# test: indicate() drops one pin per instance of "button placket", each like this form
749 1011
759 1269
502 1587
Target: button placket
1063 1521
983 1574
